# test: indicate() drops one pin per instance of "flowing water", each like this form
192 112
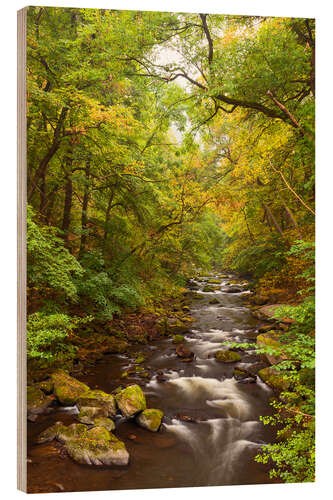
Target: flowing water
216 448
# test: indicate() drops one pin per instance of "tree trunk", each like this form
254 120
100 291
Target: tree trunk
41 171
273 219
293 221
67 208
84 216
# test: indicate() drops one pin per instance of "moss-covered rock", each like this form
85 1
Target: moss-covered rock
64 433
105 422
50 433
213 301
100 451
209 288
178 339
37 402
98 432
274 378
98 399
46 386
88 414
227 356
131 400
150 419
67 388
139 360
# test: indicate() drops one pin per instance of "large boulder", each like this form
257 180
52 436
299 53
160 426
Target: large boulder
98 399
88 414
274 378
99 447
107 423
131 400
227 356
65 433
37 402
50 433
62 433
267 312
66 388
150 419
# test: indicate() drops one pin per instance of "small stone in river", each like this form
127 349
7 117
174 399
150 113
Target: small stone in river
161 378
183 352
186 418
132 437
213 301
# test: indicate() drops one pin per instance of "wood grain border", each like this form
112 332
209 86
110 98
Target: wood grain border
21 251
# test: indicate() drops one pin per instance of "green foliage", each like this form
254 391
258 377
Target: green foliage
47 334
50 265
100 293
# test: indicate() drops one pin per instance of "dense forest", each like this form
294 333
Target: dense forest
162 146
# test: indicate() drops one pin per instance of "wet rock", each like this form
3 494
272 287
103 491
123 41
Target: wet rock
150 419
213 301
105 422
213 281
178 339
99 448
183 352
161 378
242 374
98 399
248 380
37 402
88 414
46 386
274 378
254 369
268 311
50 433
131 400
227 356
66 388
64 433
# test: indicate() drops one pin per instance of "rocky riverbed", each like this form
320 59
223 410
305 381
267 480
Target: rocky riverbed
182 410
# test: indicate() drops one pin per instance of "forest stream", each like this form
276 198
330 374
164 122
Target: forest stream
211 430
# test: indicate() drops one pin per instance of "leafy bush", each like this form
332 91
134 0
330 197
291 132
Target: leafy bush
102 296
51 268
47 334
